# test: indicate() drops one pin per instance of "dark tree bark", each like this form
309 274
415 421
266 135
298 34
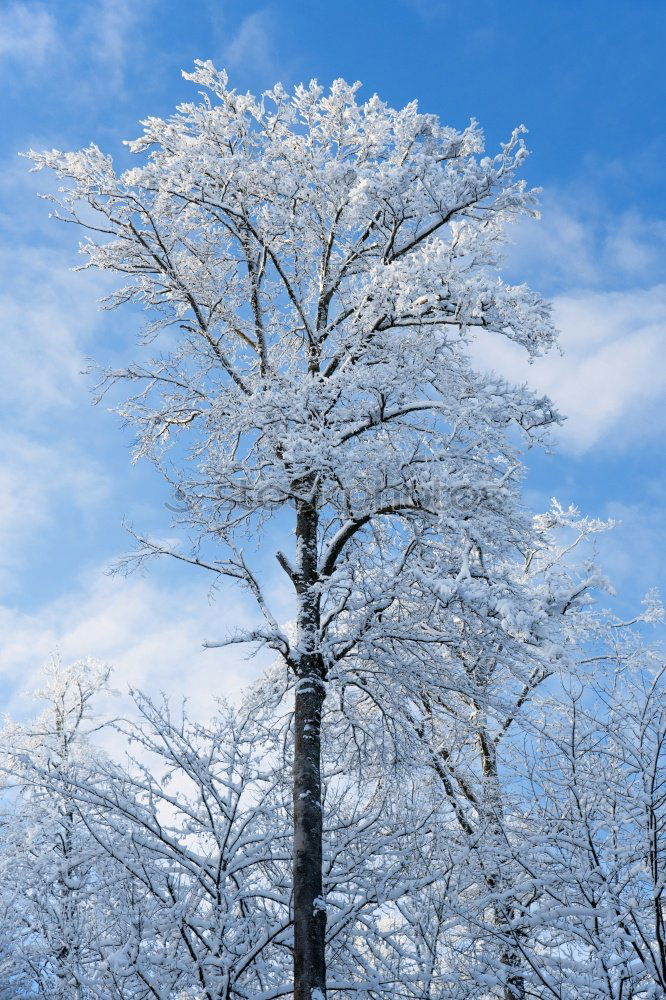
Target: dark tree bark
309 906
514 988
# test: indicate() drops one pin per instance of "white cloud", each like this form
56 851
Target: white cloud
634 552
94 44
35 479
579 242
108 30
27 34
612 375
250 50
150 632
50 316
610 382
47 318
604 271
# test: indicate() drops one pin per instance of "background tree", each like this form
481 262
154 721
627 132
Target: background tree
167 874
313 268
53 871
551 796
597 838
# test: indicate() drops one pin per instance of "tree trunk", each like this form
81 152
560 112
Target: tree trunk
514 988
309 906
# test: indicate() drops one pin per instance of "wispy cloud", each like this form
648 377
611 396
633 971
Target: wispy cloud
581 242
605 273
27 35
151 632
429 10
49 468
37 481
634 553
610 382
46 322
251 47
612 377
39 41
109 30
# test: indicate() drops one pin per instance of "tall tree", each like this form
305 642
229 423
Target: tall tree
314 269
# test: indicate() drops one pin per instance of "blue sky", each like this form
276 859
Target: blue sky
588 81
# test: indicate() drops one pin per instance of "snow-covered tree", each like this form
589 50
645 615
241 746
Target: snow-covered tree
167 874
53 873
595 841
314 268
506 842
530 771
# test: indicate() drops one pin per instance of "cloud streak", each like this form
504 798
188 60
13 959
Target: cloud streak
604 272
251 49
28 34
610 381
37 44
149 631
580 242
36 481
